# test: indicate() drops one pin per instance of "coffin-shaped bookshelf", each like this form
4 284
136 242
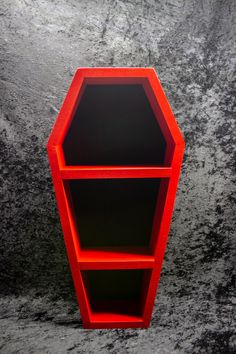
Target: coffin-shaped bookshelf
115 153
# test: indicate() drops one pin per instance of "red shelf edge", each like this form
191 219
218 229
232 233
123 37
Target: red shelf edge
99 321
85 172
116 264
110 258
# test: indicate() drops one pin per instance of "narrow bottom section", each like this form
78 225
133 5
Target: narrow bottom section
117 314
116 298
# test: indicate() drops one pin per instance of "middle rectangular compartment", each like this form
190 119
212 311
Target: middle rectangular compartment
113 213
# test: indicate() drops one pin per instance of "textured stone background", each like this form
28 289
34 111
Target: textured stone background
191 44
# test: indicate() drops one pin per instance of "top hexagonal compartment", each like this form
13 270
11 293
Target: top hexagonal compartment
120 119
114 124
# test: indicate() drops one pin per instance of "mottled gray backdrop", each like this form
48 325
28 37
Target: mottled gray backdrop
191 44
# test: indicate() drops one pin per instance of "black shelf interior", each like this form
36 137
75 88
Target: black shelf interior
114 125
117 291
113 212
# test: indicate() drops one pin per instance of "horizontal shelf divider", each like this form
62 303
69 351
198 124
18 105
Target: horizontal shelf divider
86 172
94 259
98 320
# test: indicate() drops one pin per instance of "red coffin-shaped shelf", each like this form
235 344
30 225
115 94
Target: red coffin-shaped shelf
115 153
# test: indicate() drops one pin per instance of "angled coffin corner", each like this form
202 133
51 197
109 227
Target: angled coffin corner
115 154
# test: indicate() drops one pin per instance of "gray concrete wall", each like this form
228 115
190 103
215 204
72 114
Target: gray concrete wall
191 44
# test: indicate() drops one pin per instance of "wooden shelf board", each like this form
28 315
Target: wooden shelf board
107 317
87 172
116 258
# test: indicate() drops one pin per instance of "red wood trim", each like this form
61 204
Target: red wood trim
108 320
68 234
110 258
67 110
87 172
161 227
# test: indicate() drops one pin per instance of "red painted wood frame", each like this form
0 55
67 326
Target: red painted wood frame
134 258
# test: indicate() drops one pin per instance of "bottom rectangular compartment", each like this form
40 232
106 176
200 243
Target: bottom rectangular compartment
116 296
